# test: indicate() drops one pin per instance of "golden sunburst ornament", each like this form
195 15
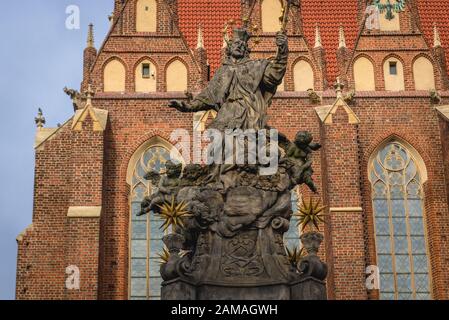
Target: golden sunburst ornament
311 212
164 256
294 255
173 214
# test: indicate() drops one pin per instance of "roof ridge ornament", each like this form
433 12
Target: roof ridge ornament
90 36
339 86
90 93
200 39
318 43
436 36
341 38
40 119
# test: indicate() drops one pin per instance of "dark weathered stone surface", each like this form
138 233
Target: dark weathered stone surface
309 288
178 290
234 234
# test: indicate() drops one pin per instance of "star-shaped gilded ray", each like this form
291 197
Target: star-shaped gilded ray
311 212
294 255
164 256
173 214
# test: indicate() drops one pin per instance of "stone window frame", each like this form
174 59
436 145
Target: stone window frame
154 142
374 179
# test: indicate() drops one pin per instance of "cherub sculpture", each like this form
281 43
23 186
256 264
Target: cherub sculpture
167 187
298 157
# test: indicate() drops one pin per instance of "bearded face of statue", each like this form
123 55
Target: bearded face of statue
239 49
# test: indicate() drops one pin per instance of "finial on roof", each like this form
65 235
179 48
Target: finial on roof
40 120
111 18
317 37
90 36
436 36
341 38
89 94
200 41
339 88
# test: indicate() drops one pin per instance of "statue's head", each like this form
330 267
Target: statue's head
173 169
239 46
303 138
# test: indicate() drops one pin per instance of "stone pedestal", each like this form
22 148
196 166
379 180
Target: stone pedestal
177 289
309 288
306 289
252 265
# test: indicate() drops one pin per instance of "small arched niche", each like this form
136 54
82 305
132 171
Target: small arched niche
423 74
364 79
303 76
114 76
177 76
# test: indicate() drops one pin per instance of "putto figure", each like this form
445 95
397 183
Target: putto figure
167 187
299 158
242 89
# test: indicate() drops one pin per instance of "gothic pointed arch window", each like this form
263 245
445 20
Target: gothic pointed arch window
145 232
397 174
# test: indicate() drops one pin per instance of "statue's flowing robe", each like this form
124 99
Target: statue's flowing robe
241 92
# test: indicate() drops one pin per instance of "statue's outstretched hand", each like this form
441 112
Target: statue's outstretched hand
178 105
281 39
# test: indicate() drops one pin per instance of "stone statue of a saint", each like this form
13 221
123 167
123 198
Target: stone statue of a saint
241 89
237 217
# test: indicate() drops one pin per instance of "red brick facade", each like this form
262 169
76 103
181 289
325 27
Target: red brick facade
88 167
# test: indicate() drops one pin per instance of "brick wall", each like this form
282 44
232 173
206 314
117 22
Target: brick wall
88 168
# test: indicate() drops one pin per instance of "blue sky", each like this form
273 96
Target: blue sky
38 58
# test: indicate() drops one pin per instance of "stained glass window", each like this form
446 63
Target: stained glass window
399 224
145 233
291 237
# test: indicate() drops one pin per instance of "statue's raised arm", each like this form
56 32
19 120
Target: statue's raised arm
275 71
